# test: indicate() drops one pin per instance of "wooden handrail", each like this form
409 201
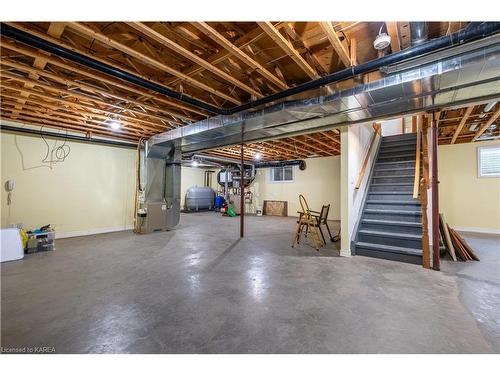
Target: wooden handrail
416 181
376 130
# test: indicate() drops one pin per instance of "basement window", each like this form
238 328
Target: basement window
282 174
488 161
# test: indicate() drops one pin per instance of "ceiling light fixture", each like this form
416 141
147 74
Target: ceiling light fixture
257 156
115 124
473 127
489 106
194 163
382 41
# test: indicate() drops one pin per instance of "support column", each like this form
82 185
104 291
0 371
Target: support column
435 197
345 235
242 195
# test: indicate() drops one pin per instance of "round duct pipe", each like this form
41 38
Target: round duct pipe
419 33
275 164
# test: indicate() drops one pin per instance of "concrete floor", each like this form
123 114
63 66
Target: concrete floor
198 289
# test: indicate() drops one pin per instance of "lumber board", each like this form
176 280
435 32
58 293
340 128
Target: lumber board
446 237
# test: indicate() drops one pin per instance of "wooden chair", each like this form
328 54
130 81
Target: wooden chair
308 221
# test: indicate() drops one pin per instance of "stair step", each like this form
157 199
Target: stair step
390 249
391 234
392 150
407 203
392 184
392 222
401 155
397 137
397 176
399 142
395 169
392 212
385 140
394 162
390 192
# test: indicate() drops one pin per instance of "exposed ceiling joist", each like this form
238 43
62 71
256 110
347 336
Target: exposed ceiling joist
487 125
336 43
280 40
466 115
393 32
81 28
234 50
144 29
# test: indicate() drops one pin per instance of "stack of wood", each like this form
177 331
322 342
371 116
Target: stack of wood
455 243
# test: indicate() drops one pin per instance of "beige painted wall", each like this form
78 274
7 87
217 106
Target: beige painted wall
319 183
93 189
467 201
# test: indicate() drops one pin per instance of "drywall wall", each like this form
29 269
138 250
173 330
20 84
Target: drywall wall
92 191
391 127
468 202
319 183
355 141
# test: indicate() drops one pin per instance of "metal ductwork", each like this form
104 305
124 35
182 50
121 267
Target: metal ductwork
276 164
160 196
463 36
219 159
467 74
419 33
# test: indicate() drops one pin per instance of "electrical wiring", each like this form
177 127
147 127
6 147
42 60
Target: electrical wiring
56 154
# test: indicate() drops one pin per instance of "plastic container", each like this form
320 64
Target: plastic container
219 201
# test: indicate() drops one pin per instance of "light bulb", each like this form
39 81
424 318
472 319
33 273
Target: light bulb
115 125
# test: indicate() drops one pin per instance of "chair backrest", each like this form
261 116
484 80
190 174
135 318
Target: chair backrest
303 204
324 213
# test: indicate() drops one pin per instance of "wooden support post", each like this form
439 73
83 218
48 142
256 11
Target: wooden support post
435 197
426 261
242 195
414 124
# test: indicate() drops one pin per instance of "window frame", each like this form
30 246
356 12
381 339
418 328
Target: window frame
479 175
271 175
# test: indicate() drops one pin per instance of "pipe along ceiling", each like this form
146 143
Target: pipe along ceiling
472 32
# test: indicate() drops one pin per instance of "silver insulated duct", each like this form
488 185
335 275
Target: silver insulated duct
419 33
160 200
457 76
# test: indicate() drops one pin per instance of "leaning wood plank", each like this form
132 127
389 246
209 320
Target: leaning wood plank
456 244
459 244
469 250
447 238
